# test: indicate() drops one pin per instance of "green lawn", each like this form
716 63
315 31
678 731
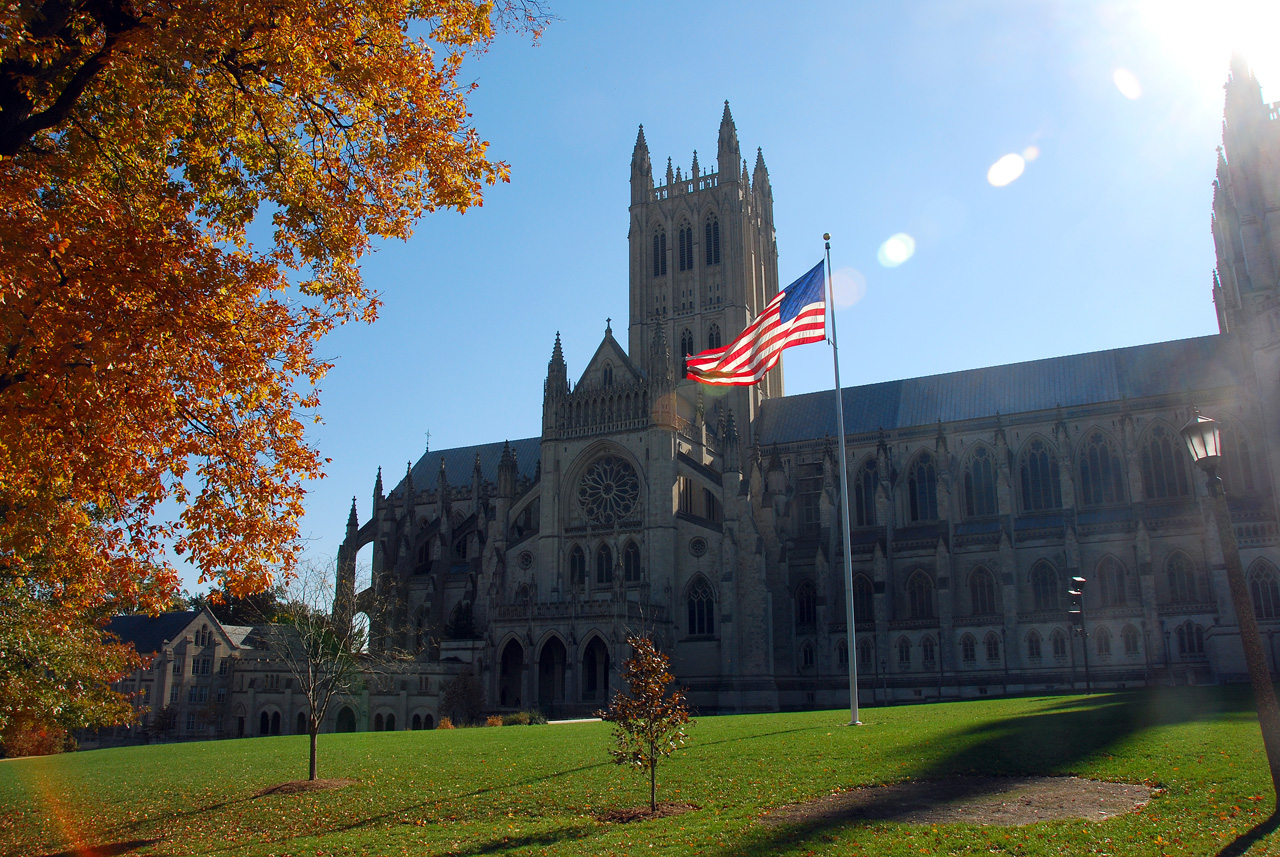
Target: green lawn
536 790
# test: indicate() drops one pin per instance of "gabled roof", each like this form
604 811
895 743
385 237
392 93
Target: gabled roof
148 634
610 351
460 461
237 634
1140 371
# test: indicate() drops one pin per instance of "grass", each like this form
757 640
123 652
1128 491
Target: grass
536 790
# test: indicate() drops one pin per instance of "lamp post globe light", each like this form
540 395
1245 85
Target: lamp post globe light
1204 443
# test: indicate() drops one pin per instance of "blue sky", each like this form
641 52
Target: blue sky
875 119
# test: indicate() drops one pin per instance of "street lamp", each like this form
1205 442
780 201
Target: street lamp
1204 443
1077 613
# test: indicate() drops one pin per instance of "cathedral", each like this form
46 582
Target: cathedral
709 517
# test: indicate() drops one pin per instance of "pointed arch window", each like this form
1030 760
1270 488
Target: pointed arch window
982 592
1033 647
968 649
1111 582
992 644
904 653
684 240
1265 589
1101 475
1238 476
863 601
702 604
842 653
577 566
1041 484
660 253
864 493
1102 641
631 563
608 374
920 596
1181 574
922 489
806 607
1044 586
1059 641
713 336
604 565
1129 636
712 241
980 484
1164 466
865 653
928 651
1190 640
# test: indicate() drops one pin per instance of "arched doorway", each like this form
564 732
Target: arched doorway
510 675
391 723
346 720
377 723
264 724
551 664
302 723
595 671
417 722
275 723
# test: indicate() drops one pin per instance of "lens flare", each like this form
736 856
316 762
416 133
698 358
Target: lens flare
1128 84
848 286
1030 153
1006 170
896 250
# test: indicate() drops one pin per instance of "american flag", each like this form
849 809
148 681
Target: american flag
795 317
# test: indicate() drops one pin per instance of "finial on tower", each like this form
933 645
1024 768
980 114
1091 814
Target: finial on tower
727 153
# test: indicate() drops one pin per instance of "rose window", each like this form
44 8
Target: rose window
609 490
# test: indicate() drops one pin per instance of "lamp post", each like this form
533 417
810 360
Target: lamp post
1077 611
1203 441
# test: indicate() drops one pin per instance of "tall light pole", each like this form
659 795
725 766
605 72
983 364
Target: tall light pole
1077 612
1204 443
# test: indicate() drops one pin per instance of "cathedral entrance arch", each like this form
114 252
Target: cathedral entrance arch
346 720
551 667
511 675
595 671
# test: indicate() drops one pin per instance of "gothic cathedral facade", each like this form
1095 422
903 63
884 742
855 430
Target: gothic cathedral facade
709 518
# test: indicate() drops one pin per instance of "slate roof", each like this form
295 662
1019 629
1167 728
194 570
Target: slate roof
1162 368
460 461
149 633
238 633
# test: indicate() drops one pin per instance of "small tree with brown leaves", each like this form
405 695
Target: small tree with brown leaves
649 719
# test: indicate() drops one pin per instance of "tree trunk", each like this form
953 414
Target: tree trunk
314 734
653 783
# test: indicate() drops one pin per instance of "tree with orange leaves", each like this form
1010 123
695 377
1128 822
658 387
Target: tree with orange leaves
152 354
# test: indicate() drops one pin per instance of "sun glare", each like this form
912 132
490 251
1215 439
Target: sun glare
1007 169
1128 84
896 250
1199 37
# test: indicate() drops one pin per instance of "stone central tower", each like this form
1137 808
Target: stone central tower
703 258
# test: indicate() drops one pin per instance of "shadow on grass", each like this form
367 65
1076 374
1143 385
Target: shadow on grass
520 844
109 850
1054 740
1242 843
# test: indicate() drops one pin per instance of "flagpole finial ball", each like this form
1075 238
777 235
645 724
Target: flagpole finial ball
826 236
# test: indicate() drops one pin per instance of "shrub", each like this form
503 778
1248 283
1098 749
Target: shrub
536 717
494 720
520 718
445 723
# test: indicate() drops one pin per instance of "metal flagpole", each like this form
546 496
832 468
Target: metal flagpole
844 499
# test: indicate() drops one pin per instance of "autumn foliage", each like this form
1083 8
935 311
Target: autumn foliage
157 368
650 717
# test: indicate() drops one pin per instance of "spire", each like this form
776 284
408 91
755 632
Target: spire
760 176
557 371
671 176
353 519
507 471
727 151
409 491
693 171
641 171
378 496
442 487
